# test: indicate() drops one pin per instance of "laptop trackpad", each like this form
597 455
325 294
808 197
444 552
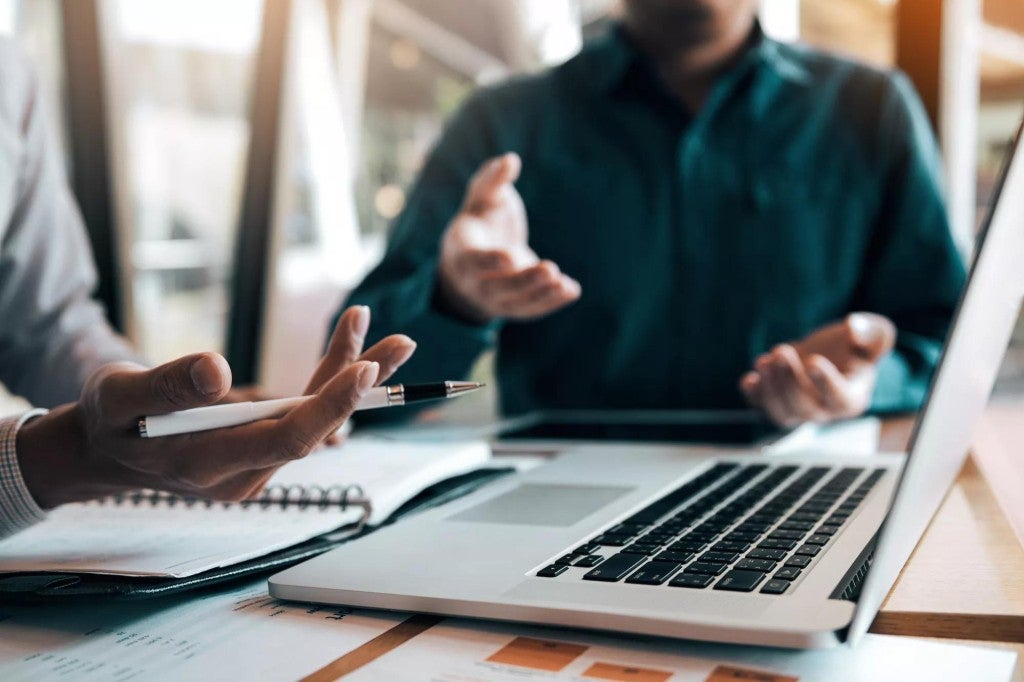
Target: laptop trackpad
542 504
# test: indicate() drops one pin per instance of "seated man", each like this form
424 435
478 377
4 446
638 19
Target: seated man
685 215
56 347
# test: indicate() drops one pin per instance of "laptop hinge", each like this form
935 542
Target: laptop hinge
849 585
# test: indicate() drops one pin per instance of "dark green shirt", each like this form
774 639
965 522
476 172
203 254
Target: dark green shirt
807 187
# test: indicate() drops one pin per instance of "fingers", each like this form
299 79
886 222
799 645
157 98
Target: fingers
390 353
302 429
484 191
484 260
125 392
532 292
750 385
344 347
871 335
834 390
787 393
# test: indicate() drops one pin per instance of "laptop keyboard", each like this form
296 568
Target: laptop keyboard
736 528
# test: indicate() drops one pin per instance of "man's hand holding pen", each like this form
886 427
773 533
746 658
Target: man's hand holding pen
92 448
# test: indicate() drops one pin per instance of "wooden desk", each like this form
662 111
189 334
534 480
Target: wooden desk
964 581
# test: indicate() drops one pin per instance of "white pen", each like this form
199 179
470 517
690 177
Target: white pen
234 414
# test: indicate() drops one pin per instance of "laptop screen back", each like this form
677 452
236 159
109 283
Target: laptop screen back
960 389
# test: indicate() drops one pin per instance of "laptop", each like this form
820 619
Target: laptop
700 543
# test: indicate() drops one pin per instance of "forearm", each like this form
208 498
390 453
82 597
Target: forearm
447 346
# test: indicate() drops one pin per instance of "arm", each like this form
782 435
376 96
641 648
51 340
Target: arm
458 264
402 290
880 359
913 272
54 335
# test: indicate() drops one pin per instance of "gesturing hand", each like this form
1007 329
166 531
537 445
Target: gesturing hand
487 269
92 448
830 374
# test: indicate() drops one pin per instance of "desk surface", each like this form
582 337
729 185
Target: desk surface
964 581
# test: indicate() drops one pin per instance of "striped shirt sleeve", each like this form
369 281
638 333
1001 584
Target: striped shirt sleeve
18 509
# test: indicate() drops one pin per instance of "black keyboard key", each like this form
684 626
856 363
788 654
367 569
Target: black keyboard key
797 525
762 565
808 550
720 557
695 580
653 573
610 540
730 546
673 556
645 550
785 535
798 561
614 568
741 536
685 545
762 553
589 561
827 530
804 516
706 568
626 529
775 543
552 570
787 573
567 560
817 539
775 587
586 549
836 520
740 581
749 526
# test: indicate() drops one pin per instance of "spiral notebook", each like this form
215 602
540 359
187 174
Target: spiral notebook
334 491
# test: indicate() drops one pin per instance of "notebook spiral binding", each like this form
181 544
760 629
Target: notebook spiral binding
303 497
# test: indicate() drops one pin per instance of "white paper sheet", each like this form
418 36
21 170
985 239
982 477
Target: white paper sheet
178 541
463 651
240 634
850 437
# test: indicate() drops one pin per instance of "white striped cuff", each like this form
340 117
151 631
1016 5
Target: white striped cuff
18 509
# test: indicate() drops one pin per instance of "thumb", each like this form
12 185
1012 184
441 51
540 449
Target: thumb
190 381
871 335
485 187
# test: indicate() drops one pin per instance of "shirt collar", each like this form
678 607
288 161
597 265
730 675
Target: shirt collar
616 57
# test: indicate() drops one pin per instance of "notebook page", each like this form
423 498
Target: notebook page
163 540
177 541
390 473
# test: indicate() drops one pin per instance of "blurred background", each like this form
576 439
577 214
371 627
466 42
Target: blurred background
239 162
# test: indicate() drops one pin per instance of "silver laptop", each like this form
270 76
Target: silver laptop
699 543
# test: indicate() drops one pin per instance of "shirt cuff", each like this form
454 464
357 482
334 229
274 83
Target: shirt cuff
18 509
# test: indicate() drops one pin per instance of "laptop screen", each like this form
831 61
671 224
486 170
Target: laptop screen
989 307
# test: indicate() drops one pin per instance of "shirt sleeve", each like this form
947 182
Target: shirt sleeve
54 335
914 273
401 290
18 509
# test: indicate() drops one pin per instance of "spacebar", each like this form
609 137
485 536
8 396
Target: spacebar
615 567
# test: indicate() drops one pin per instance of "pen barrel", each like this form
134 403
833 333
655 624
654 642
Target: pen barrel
199 419
381 396
417 392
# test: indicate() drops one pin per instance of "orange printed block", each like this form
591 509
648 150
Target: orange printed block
539 654
625 673
728 673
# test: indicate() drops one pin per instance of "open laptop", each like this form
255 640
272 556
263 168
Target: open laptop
700 543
